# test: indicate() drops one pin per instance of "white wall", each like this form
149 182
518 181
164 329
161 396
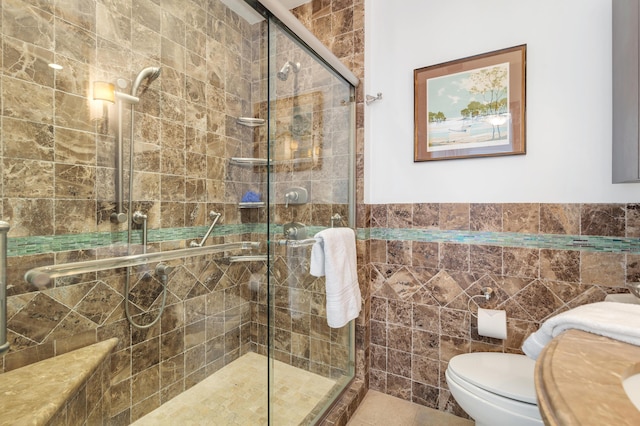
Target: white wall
568 156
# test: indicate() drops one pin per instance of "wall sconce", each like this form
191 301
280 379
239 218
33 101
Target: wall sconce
105 92
293 147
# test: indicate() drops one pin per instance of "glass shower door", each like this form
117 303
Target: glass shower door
311 187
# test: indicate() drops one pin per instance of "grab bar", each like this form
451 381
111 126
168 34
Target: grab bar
249 258
42 275
297 243
213 216
4 345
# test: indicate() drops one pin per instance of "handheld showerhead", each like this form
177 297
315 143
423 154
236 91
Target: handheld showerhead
283 74
149 74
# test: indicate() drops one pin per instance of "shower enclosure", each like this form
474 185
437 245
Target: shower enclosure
164 170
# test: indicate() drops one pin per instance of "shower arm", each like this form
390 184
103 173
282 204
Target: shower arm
213 216
4 345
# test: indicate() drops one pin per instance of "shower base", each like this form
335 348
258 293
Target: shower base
237 395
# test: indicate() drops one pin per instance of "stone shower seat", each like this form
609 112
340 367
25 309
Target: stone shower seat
37 393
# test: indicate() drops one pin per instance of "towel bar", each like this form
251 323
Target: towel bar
297 243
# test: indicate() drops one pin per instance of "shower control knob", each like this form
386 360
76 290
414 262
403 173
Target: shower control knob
290 197
291 233
162 269
118 217
295 231
296 195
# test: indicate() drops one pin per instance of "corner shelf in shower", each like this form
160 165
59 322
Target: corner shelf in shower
251 204
250 121
245 161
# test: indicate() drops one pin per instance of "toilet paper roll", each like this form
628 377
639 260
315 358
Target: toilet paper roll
492 323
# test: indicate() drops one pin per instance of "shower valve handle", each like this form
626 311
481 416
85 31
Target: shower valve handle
118 217
163 269
296 195
290 196
295 231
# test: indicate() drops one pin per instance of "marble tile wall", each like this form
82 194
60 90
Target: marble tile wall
420 289
57 154
301 337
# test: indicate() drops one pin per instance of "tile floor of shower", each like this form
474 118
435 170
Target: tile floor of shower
237 395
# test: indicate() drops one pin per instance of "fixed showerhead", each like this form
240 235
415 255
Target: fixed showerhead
283 74
149 74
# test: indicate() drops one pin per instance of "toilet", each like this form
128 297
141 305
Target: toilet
495 389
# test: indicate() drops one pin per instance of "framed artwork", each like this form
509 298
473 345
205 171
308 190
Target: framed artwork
471 107
298 130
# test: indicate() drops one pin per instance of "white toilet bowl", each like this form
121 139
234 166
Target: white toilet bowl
495 389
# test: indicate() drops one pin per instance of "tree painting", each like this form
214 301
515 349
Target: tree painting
492 85
469 109
437 117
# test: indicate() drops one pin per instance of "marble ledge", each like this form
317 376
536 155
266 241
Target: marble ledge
579 378
35 394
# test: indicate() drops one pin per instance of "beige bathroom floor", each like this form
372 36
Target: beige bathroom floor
237 395
384 410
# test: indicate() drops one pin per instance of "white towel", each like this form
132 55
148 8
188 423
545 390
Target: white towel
619 321
334 256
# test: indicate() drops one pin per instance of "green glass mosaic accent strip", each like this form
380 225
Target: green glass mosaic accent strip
23 246
363 234
57 243
510 239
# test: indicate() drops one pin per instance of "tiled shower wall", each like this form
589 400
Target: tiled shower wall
58 154
428 259
58 177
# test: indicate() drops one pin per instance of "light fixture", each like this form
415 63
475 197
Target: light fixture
293 148
103 91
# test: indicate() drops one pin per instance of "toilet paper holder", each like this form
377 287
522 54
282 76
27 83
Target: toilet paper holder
486 293
491 323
